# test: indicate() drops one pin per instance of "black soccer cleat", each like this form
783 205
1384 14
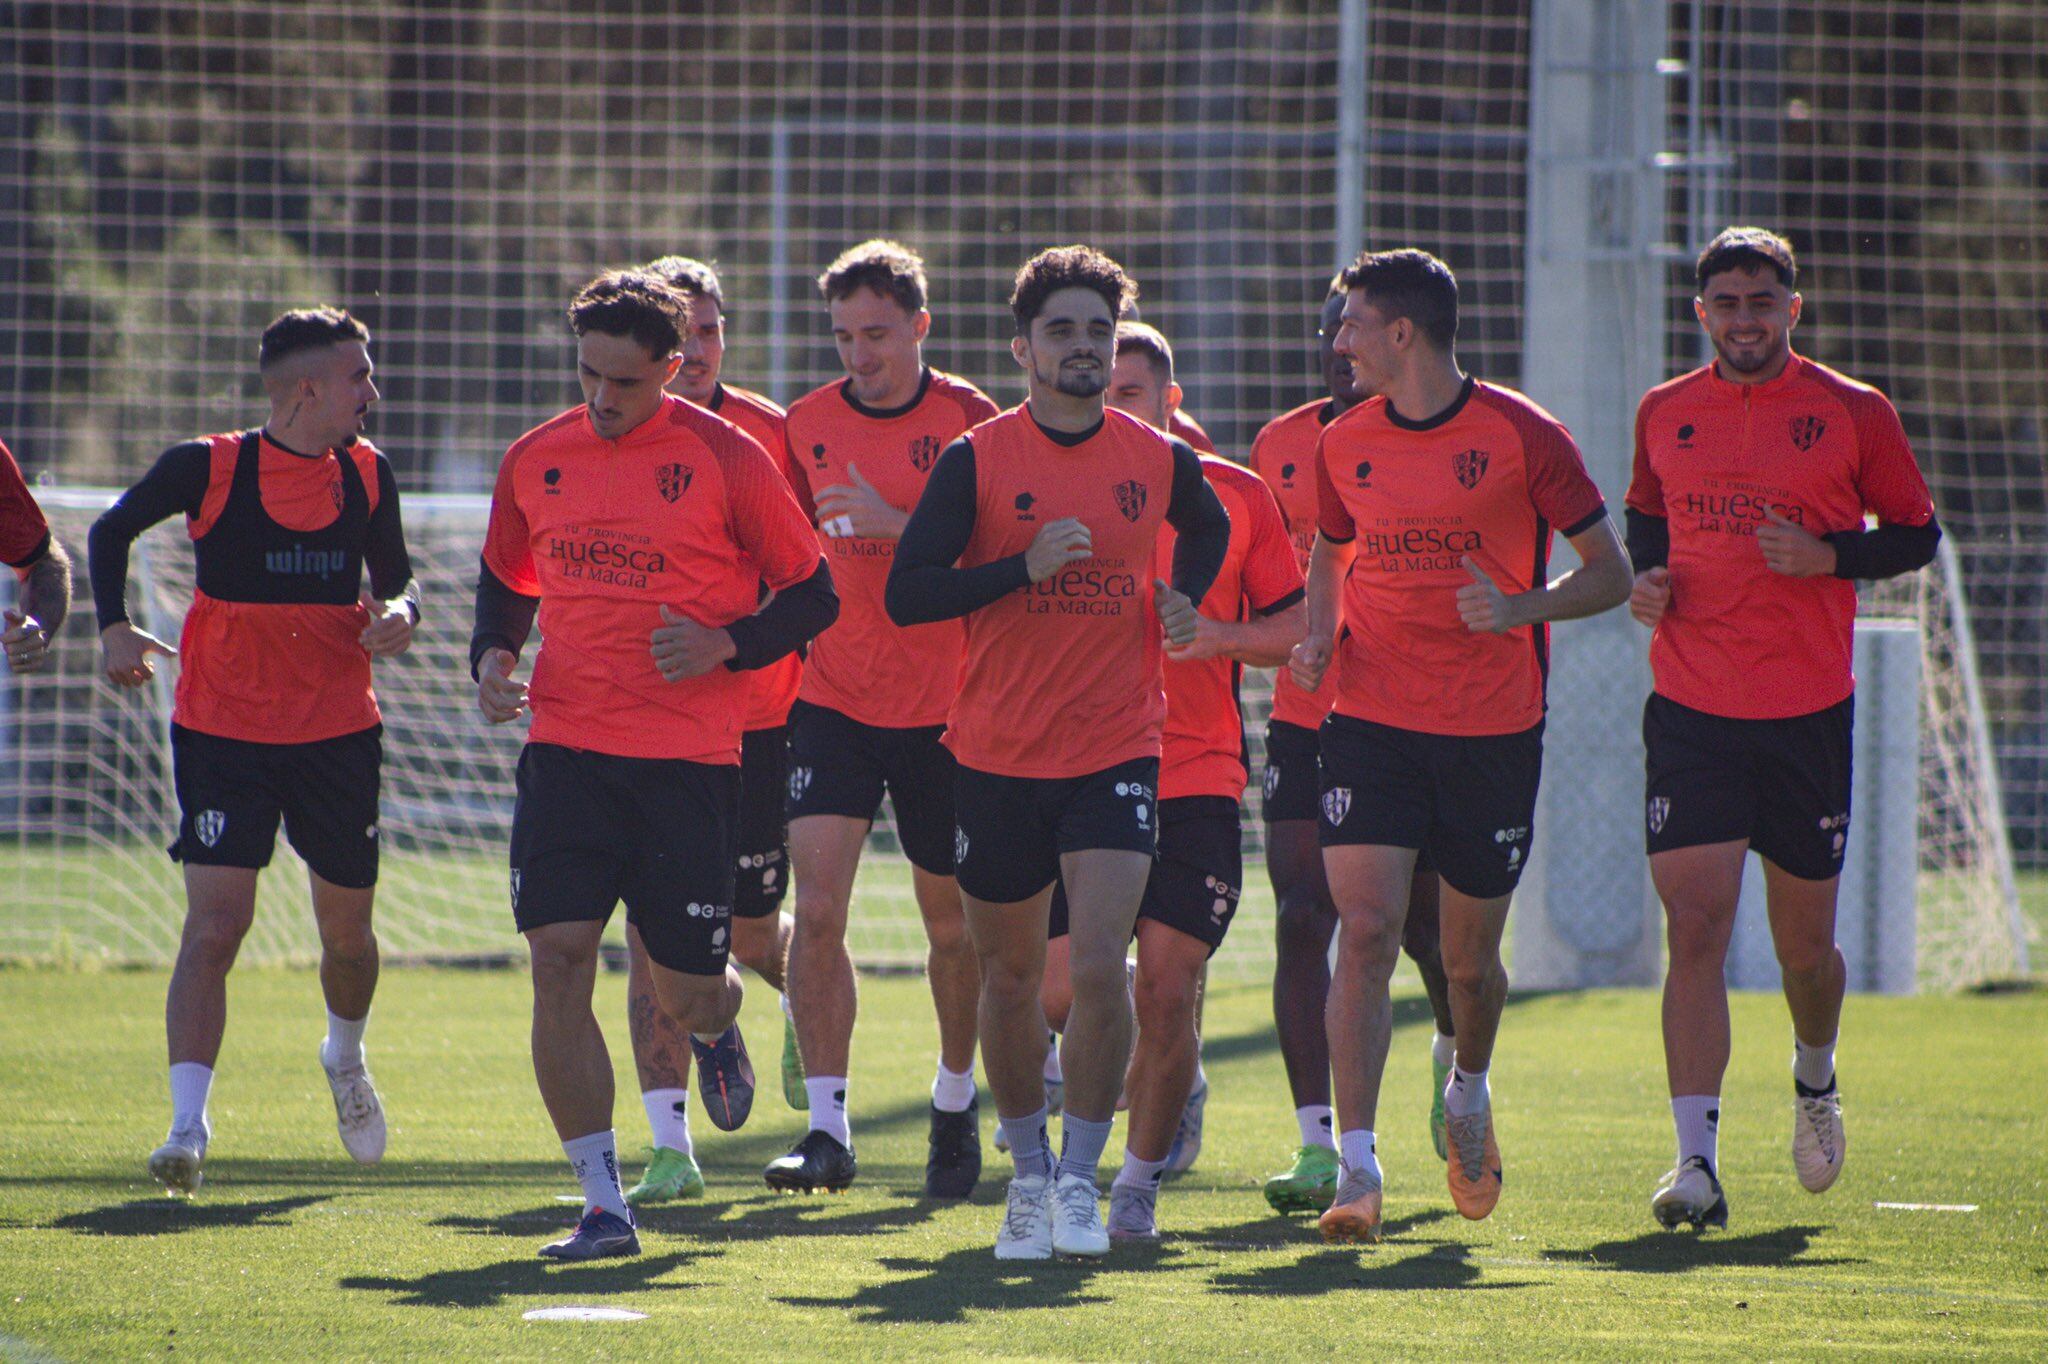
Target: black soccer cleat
953 1166
600 1235
817 1162
725 1079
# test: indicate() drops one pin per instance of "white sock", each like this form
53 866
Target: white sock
828 1106
952 1093
668 1116
1698 1120
1467 1092
1813 1067
1318 1125
191 1083
1443 1048
1359 1150
344 1045
1139 1174
595 1159
1053 1074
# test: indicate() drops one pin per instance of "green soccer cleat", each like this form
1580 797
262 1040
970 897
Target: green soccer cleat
670 1175
1309 1185
793 1092
1439 1125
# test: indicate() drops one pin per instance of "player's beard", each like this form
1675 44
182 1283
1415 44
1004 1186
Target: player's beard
1077 383
1770 353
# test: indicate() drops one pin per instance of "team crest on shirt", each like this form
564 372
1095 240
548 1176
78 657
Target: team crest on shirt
335 494
673 480
1806 431
1336 804
1130 499
1469 466
209 825
923 451
1660 810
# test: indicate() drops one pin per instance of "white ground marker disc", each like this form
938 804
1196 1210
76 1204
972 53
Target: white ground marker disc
583 1314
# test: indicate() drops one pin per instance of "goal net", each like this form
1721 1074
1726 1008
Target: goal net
171 175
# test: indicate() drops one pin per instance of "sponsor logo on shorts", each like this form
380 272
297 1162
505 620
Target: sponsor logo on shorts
370 832
1512 840
1336 804
1138 791
1130 499
1806 431
1839 826
1470 467
1225 903
1659 811
706 910
515 887
959 845
718 938
209 825
766 859
673 480
1271 782
799 782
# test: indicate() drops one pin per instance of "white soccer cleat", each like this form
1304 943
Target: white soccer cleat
1690 1193
1026 1232
1818 1142
176 1164
1077 1218
358 1112
1133 1213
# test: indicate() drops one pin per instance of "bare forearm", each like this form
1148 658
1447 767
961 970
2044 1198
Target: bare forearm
46 592
1263 641
1601 582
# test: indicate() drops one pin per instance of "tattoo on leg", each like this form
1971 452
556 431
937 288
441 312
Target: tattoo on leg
660 1043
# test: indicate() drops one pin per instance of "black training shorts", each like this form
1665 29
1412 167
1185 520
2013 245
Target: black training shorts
233 792
1012 830
839 766
1781 784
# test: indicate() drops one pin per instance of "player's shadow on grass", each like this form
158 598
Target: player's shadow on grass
768 1217
490 1285
944 1290
1443 1266
170 1216
1280 1232
1677 1252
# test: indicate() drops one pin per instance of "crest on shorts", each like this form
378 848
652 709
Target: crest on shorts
1660 810
799 782
1806 431
1130 499
1469 466
209 825
923 451
1336 804
515 887
1271 781
959 845
672 480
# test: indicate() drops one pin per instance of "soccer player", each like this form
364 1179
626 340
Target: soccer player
41 567
1253 614
643 529
760 930
274 717
1052 513
873 705
1753 476
1437 502
1284 456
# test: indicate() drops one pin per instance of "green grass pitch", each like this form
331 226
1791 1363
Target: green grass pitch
291 1251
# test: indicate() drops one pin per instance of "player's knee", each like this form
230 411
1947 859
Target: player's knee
1807 957
1369 944
1474 977
1302 924
820 918
1695 935
215 933
556 969
1007 982
351 941
755 943
947 935
1165 1000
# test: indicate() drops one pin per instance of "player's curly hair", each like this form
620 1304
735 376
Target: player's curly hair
889 268
1412 284
1069 267
635 304
304 329
1747 248
690 276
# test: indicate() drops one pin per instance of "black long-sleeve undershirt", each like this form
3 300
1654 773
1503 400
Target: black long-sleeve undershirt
1860 555
791 619
924 585
177 483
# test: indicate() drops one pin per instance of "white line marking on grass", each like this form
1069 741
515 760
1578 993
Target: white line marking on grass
580 1313
1926 1207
